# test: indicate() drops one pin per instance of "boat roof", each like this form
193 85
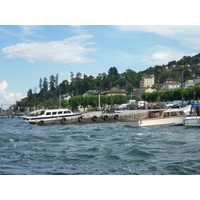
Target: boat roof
50 110
166 110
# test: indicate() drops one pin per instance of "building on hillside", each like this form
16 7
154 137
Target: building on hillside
129 70
166 67
189 83
157 87
66 96
197 80
169 80
114 91
147 81
78 77
149 90
171 85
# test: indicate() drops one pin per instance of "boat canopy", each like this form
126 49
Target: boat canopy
195 104
195 109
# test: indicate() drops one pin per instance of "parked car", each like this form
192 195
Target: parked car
177 104
169 104
122 106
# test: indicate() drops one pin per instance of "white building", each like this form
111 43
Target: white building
189 83
171 85
148 81
197 80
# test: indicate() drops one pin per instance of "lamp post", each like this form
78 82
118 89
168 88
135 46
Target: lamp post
194 95
158 86
99 102
181 69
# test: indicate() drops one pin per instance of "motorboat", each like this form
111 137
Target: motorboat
159 117
193 120
40 116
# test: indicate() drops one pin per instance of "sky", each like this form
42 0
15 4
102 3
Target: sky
31 52
34 51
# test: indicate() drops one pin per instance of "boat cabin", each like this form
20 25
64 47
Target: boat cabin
162 114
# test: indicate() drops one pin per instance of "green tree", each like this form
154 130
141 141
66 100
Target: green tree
129 88
40 84
30 94
113 72
45 85
52 82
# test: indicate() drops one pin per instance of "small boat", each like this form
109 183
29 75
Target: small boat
193 120
40 116
159 117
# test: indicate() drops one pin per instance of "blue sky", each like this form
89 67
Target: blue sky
31 52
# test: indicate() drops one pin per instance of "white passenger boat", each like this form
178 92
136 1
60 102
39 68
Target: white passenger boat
159 117
40 116
193 120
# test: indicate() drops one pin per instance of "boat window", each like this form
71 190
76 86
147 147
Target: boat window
173 114
67 112
54 113
48 113
166 114
42 112
151 115
60 112
155 114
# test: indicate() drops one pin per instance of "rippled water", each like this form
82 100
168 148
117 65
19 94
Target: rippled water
108 148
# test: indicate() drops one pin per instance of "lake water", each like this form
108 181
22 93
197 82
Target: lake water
97 149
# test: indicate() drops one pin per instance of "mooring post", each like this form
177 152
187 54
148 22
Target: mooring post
12 112
18 112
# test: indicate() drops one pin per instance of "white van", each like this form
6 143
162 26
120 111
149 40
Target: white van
141 104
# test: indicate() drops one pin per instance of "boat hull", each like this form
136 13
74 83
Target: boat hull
192 121
156 122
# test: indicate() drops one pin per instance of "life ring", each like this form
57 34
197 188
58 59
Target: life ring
105 117
41 123
80 119
94 118
116 117
63 120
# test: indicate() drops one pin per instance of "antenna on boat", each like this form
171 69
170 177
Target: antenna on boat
59 98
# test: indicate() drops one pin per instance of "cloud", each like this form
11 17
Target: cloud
162 55
164 30
69 51
7 98
31 30
187 35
